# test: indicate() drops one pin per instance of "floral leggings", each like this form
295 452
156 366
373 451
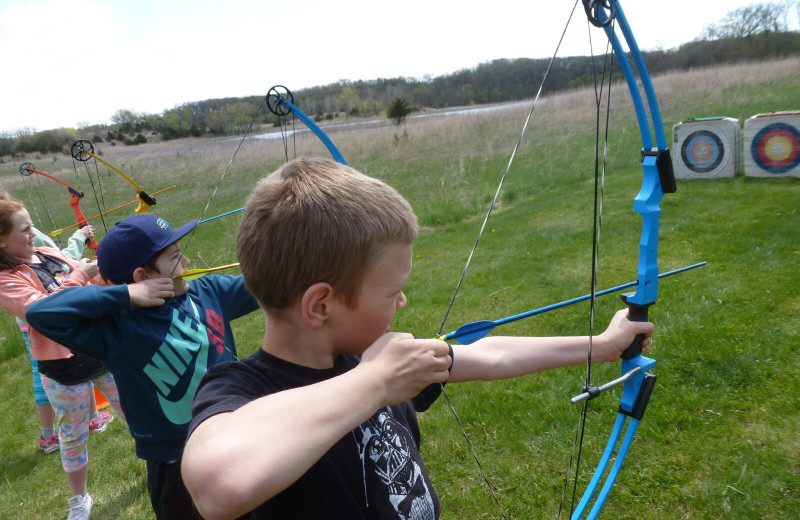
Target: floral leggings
71 407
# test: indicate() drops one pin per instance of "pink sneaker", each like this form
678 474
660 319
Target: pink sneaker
48 445
100 423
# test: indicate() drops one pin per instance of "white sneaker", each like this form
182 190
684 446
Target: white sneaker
80 507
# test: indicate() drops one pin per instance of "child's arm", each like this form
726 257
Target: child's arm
74 318
17 295
502 357
77 242
227 477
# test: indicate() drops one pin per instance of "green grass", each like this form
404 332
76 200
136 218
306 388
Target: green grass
721 435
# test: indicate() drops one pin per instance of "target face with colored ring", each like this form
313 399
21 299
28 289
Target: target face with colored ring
706 149
702 151
776 148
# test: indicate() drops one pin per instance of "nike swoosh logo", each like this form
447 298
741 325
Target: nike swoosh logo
180 411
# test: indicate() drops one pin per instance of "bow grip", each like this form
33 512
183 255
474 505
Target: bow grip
636 312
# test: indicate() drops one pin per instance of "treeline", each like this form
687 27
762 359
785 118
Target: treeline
492 82
509 80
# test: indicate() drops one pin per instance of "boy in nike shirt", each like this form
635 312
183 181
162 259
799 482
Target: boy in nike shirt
321 421
157 335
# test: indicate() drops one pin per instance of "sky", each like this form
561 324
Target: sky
69 63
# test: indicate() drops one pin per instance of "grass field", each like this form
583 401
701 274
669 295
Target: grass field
721 437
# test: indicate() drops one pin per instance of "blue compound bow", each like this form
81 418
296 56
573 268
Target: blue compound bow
658 180
281 103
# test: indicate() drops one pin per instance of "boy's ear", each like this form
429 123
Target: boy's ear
315 304
139 275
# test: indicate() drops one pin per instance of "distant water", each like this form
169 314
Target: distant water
277 134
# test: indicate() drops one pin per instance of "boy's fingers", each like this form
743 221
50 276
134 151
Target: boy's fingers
441 376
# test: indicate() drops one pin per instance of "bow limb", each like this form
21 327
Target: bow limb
82 150
280 102
74 201
657 180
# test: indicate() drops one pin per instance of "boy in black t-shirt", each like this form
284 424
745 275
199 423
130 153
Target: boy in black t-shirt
321 421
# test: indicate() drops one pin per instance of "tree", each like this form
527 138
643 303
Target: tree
750 20
398 110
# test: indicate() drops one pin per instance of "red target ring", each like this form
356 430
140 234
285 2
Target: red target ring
776 148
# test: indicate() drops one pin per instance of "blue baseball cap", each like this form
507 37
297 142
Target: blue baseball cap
134 241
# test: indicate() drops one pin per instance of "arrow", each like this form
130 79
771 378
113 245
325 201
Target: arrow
191 274
209 219
472 332
59 231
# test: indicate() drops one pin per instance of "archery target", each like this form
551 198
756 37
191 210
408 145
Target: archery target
707 148
772 145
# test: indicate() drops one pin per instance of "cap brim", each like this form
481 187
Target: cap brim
180 232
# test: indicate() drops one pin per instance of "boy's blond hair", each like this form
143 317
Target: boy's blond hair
315 220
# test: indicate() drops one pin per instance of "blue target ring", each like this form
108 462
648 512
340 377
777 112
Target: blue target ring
702 151
776 148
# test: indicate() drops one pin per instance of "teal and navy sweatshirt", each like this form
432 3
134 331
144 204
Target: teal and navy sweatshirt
158 355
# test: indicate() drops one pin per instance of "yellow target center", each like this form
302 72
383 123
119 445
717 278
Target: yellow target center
778 148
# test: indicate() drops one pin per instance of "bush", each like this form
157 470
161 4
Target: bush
398 110
140 139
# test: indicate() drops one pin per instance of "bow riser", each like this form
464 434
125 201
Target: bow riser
658 179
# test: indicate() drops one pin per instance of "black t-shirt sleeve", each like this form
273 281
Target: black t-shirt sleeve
225 388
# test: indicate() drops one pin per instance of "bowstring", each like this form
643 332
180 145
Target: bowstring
32 201
39 190
203 215
221 179
100 209
472 254
284 129
597 219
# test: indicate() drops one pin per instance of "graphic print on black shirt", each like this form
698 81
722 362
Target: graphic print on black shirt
50 271
390 472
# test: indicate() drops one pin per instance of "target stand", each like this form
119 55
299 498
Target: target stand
772 145
706 148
